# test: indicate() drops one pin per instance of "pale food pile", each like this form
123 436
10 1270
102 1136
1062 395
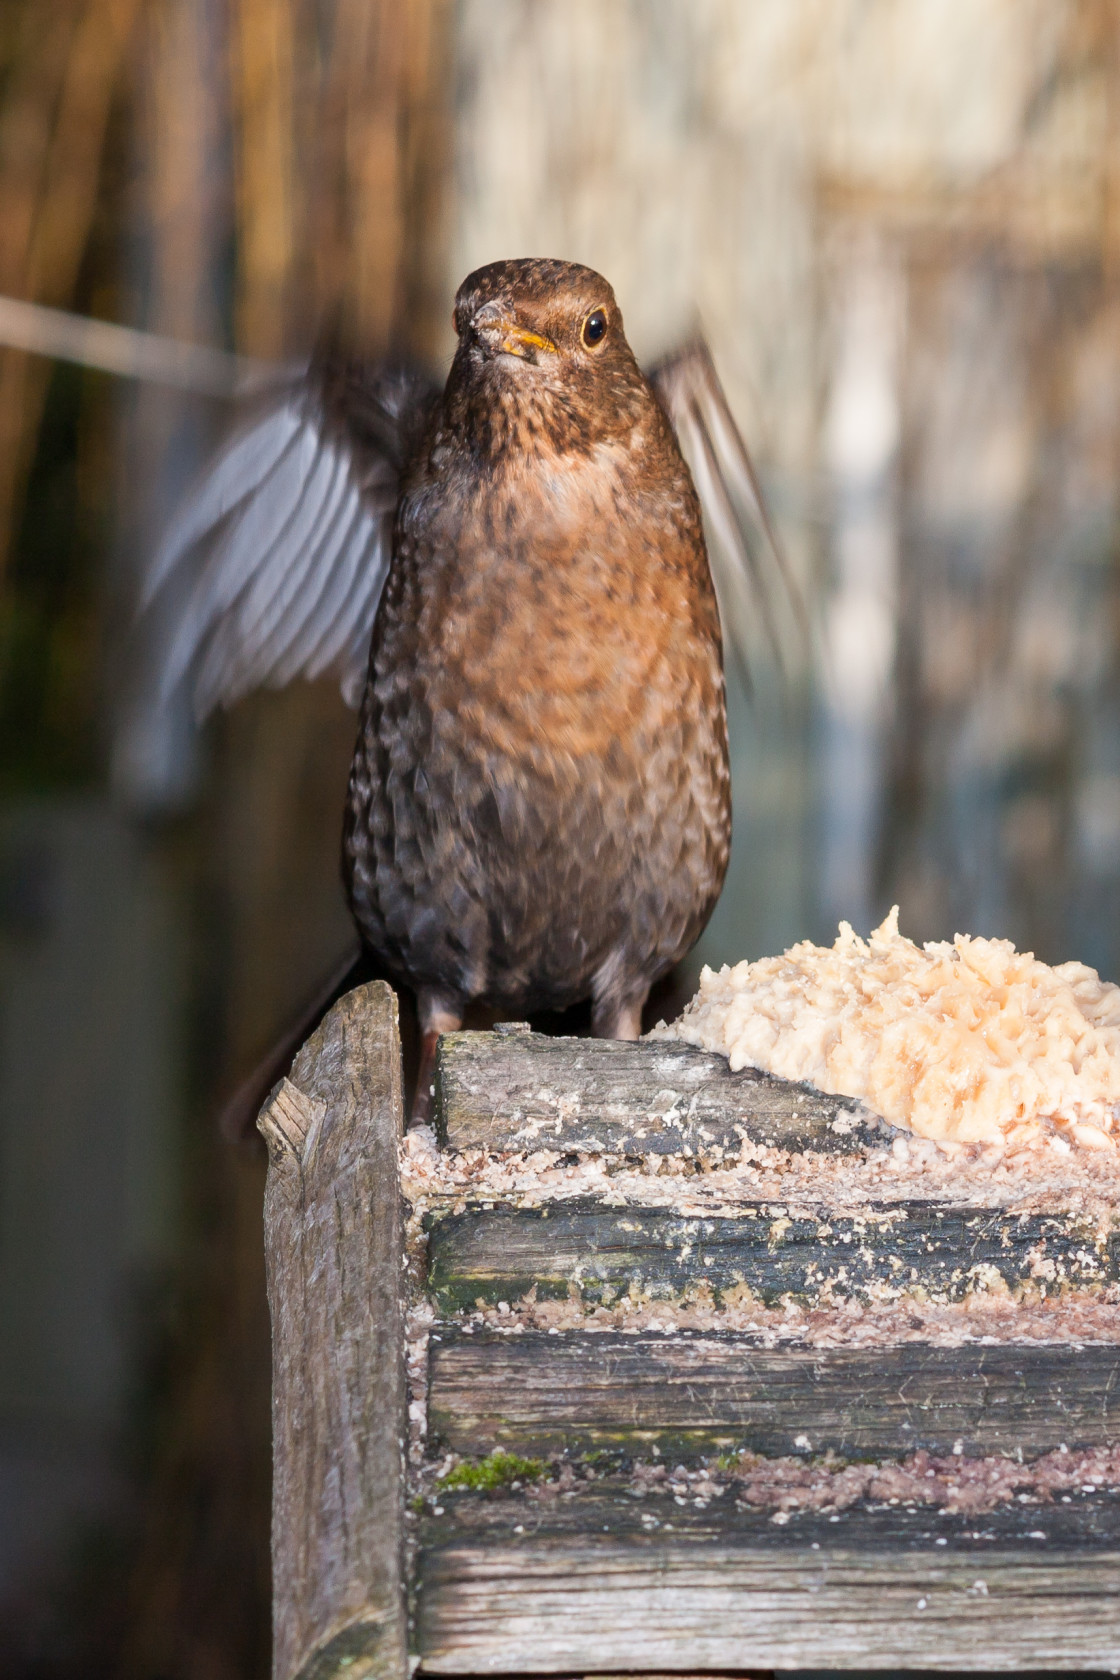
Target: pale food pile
969 1042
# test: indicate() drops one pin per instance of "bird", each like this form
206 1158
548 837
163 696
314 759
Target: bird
510 580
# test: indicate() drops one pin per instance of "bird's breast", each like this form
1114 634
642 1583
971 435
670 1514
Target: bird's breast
561 604
541 775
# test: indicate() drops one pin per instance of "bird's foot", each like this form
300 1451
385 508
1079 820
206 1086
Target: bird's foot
619 1020
436 1016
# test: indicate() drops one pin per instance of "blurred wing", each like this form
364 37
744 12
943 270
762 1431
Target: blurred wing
276 561
754 583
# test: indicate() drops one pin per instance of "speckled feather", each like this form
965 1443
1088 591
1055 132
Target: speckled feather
539 808
539 804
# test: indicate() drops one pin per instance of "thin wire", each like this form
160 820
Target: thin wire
131 353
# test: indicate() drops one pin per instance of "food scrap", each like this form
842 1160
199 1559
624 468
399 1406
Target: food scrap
962 1042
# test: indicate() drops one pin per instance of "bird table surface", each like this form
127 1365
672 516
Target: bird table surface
704 1371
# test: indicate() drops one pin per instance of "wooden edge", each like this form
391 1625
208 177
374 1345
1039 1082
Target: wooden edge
334 1248
527 1091
507 1585
358 1652
763 1253
541 1394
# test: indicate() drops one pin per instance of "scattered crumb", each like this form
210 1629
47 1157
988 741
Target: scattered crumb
784 1486
968 1485
976 1175
1005 1171
1076 1318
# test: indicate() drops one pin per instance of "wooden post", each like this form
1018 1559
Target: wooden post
334 1252
607 1497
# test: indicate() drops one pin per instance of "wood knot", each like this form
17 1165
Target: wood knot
290 1122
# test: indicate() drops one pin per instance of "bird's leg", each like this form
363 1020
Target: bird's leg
619 1018
438 1014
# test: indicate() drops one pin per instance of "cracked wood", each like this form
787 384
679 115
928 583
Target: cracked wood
539 1393
598 1583
527 1091
765 1253
334 1254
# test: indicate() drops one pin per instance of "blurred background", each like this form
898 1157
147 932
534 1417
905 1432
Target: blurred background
898 224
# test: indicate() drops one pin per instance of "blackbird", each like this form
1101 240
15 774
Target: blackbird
511 577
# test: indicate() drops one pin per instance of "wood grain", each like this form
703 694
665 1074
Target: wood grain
587 1586
540 1393
600 1577
602 1253
527 1091
334 1251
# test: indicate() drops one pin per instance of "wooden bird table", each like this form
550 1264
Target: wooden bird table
652 1367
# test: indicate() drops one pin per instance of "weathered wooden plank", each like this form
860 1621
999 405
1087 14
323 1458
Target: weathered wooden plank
601 1583
527 1091
602 1253
542 1393
334 1246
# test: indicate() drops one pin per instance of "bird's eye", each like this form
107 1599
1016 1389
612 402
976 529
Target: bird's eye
594 328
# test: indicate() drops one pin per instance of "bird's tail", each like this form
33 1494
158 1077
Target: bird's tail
237 1116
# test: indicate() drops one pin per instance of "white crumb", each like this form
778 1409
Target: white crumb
971 1042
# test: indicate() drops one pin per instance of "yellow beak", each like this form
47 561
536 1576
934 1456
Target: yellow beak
518 341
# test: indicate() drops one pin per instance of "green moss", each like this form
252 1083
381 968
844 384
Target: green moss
498 1470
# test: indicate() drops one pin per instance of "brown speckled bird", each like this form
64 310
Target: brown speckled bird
539 803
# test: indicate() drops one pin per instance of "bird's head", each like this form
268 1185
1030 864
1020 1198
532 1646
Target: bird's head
541 341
